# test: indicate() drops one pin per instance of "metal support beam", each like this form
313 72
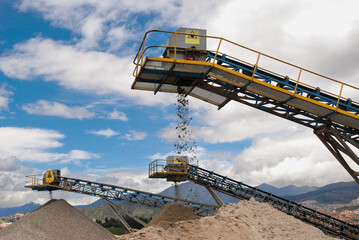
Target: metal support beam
336 143
243 191
125 212
164 79
123 221
215 196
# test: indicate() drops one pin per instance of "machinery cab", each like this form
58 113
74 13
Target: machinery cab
174 168
51 177
176 164
189 46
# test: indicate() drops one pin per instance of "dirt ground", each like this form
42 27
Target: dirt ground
247 220
55 220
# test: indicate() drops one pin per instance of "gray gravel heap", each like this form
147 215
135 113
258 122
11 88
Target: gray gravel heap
55 220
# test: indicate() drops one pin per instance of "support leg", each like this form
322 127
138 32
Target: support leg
336 143
215 196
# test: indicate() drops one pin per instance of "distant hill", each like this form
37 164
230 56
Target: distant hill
13 210
103 211
197 193
342 192
32 206
289 190
96 203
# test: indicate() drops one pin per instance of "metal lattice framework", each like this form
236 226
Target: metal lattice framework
222 78
243 191
117 193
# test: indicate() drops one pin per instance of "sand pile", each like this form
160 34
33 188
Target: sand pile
172 213
246 220
55 220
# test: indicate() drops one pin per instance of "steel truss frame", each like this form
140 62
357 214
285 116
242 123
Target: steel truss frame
336 142
243 191
280 109
119 193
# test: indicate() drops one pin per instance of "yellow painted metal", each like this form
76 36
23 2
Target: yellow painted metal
36 180
255 66
140 61
255 80
160 167
219 45
176 45
340 93
296 85
142 51
49 176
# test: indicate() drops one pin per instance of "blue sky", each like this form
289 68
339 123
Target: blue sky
66 103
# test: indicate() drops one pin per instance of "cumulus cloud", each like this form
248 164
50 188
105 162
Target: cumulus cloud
280 153
104 132
135 135
5 95
47 108
35 145
133 178
97 22
8 164
78 155
96 72
117 115
294 157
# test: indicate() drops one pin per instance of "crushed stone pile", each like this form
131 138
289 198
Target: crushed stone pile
246 220
172 213
56 220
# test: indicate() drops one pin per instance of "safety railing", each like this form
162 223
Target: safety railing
34 180
310 76
118 193
165 167
38 180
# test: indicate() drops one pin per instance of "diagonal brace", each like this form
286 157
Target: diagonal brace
336 144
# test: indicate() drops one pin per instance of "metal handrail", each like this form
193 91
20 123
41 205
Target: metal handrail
139 61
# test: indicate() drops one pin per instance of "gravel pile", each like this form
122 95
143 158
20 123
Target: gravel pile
55 220
246 220
172 213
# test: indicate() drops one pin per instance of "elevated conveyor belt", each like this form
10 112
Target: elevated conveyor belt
245 192
218 78
117 193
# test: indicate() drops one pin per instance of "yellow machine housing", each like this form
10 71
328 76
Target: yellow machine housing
174 168
50 176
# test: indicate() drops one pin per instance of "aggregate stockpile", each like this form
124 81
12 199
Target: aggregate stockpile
55 220
246 220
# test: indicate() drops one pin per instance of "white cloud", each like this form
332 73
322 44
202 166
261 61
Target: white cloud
46 108
105 132
135 135
5 97
87 71
8 164
280 154
97 21
234 122
35 145
294 157
133 178
118 36
117 115
78 155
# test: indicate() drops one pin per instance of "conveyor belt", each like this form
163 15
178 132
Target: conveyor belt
243 191
117 193
219 78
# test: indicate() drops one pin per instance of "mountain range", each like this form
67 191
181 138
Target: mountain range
342 192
